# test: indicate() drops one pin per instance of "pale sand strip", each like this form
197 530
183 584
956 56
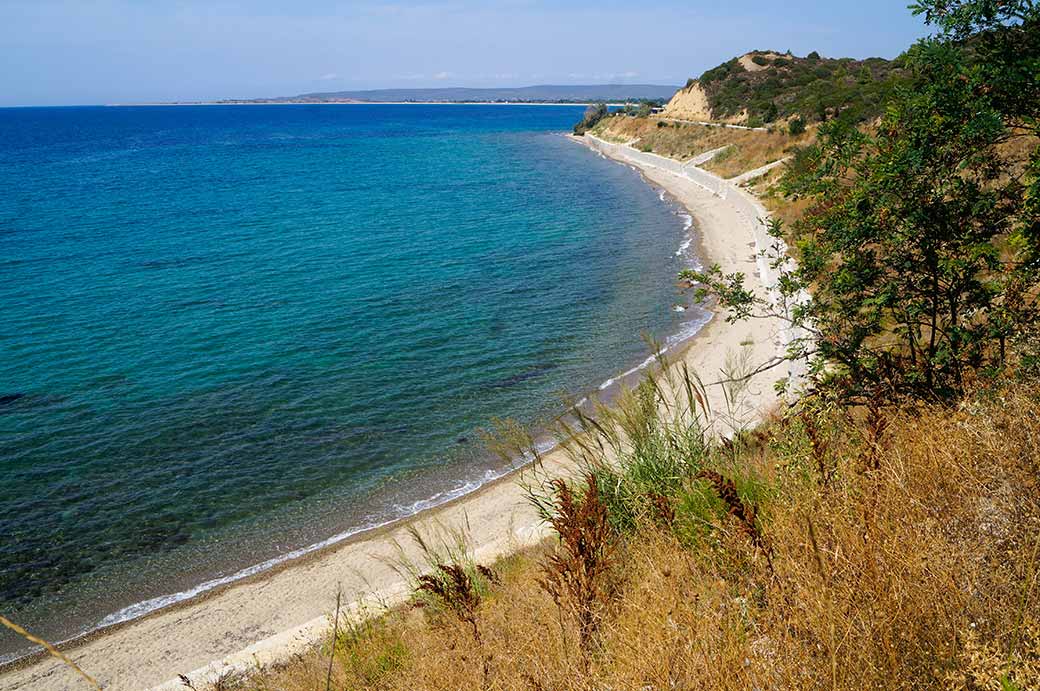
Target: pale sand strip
752 174
268 617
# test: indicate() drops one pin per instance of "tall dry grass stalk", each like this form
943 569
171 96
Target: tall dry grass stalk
51 650
577 574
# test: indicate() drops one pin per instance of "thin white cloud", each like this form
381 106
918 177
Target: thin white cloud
328 77
615 76
442 75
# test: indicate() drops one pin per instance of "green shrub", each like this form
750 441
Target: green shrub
593 114
796 127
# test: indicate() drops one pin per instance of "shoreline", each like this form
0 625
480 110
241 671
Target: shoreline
266 616
463 489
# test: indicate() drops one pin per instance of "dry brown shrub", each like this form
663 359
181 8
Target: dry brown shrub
577 573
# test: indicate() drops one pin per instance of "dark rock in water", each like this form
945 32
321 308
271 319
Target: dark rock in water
462 440
535 371
9 398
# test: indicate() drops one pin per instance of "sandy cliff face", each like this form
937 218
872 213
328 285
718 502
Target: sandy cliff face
689 103
751 66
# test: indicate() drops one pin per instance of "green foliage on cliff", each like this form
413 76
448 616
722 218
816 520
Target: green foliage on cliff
812 87
593 114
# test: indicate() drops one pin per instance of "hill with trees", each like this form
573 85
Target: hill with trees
761 87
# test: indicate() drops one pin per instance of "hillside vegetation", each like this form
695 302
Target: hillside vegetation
763 86
745 149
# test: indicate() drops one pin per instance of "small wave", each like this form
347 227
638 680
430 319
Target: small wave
687 225
401 512
687 330
141 608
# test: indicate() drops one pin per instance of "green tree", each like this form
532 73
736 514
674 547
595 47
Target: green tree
593 114
1004 38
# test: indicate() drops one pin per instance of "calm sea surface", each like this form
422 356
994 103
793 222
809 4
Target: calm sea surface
227 333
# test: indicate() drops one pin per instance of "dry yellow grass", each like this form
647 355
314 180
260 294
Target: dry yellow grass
749 149
788 210
912 566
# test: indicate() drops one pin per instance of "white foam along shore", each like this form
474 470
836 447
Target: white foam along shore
275 611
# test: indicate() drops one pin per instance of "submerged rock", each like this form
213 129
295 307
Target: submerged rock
9 398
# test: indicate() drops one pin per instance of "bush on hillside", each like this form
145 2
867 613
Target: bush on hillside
593 114
796 127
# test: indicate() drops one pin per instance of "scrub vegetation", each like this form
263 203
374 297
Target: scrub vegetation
812 88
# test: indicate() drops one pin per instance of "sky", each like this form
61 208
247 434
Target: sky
58 52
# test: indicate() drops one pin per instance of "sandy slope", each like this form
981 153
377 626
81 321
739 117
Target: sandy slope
269 616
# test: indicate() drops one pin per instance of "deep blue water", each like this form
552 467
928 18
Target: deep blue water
227 332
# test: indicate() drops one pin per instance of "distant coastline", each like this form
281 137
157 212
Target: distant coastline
543 94
364 103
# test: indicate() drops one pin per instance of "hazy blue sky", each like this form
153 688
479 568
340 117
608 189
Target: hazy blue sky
104 51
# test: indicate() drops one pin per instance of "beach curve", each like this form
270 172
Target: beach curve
269 616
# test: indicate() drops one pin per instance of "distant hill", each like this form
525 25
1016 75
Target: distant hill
762 86
546 93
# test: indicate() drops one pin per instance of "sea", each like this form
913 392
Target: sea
230 335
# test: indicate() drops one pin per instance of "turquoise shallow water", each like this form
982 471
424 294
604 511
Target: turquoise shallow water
231 332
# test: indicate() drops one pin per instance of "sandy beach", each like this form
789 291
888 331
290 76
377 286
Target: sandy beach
270 616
